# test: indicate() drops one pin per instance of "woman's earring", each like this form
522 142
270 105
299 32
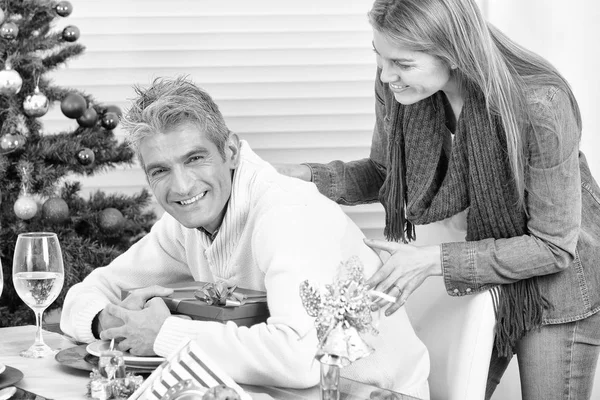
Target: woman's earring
453 66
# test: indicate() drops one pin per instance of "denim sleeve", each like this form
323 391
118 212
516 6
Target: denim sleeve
357 182
553 201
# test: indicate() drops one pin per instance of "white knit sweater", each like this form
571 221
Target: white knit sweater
277 232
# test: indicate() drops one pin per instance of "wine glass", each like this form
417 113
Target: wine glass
38 277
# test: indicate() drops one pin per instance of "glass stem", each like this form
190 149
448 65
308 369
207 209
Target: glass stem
39 340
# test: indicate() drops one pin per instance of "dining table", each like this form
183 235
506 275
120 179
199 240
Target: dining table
47 378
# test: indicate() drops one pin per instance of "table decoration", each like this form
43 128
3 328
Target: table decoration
110 380
192 366
342 314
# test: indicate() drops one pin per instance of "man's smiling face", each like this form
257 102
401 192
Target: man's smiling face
189 177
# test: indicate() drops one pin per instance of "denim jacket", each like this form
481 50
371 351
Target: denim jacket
562 246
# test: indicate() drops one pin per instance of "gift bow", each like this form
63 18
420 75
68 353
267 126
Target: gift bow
219 294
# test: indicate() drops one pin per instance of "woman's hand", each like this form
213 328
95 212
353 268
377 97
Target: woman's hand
299 171
405 270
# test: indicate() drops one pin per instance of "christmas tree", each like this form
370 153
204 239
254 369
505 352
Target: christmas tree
37 190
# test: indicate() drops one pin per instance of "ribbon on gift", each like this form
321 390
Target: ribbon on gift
220 294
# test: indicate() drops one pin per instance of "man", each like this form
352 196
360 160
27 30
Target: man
230 216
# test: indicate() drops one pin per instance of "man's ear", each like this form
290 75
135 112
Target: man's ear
232 150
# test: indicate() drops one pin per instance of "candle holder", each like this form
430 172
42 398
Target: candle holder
330 378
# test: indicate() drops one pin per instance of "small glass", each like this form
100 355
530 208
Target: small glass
330 381
38 276
112 365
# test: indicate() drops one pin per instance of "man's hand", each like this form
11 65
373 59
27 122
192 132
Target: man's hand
140 327
136 300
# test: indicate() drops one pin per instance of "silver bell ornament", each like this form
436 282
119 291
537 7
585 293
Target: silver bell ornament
10 82
36 104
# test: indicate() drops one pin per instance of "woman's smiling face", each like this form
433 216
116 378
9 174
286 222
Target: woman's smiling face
411 75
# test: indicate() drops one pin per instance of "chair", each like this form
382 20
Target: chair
458 331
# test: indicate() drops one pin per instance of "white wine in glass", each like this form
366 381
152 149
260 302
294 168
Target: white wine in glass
38 276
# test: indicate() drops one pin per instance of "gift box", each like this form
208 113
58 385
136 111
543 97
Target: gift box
252 309
188 373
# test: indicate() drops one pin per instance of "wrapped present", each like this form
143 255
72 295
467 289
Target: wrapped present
187 373
217 302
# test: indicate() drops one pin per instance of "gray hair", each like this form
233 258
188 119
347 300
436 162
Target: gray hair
169 103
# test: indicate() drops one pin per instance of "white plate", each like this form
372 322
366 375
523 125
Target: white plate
95 348
2 368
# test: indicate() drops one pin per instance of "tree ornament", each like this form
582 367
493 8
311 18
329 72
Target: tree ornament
86 157
55 210
64 8
10 142
88 119
10 81
9 30
110 220
36 104
70 33
1 15
110 120
25 207
113 109
73 105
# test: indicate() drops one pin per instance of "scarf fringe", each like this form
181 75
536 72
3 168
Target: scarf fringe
519 309
397 227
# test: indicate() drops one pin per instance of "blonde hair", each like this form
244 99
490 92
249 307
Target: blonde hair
486 59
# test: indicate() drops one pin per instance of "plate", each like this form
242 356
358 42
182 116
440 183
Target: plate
95 348
77 357
10 376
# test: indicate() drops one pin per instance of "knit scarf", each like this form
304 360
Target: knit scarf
430 178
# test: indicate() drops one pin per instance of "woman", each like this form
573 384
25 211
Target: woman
471 126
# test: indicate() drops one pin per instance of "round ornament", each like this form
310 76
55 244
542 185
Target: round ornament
86 157
55 210
64 8
70 33
110 120
73 105
9 30
88 119
25 207
1 16
113 109
110 220
36 104
10 82
11 142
